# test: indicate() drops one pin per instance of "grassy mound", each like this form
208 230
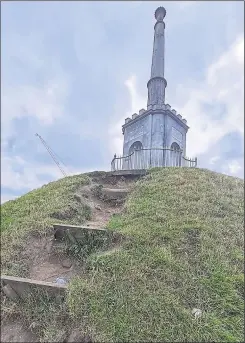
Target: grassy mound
184 251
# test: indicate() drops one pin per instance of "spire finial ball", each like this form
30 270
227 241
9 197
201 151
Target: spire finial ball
160 13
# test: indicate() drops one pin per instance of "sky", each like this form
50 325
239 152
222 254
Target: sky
73 71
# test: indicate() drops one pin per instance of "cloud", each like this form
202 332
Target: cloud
234 167
222 86
34 83
34 92
45 103
19 175
214 159
137 102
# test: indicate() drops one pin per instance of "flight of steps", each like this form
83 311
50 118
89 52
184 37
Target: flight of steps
110 203
15 287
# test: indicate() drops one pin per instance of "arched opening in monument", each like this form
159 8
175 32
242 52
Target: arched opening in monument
136 155
135 146
175 146
176 154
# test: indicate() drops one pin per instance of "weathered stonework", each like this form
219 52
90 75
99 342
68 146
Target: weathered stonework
155 129
159 126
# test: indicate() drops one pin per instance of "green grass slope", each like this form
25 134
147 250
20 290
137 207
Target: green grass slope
183 249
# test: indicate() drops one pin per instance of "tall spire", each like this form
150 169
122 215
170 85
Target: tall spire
157 83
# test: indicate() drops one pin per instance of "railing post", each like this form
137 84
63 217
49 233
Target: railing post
180 158
113 163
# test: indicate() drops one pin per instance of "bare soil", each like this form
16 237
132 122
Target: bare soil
15 332
46 263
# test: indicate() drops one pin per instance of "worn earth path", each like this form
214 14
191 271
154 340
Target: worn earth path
49 261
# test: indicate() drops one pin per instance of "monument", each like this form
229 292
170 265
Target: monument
155 136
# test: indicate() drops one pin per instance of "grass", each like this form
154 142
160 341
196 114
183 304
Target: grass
184 250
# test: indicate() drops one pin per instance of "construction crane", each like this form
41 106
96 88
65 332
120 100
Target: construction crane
51 153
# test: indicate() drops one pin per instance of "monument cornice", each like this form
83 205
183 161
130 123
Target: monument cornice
156 111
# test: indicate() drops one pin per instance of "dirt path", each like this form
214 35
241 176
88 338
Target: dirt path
50 262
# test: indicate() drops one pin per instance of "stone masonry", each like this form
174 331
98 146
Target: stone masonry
159 126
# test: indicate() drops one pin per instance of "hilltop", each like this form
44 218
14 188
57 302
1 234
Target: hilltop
182 249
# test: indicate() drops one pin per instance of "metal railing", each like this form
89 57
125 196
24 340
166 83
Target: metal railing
154 157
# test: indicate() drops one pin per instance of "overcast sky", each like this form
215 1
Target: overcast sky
73 71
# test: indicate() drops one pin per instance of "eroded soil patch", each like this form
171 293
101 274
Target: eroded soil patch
16 332
49 259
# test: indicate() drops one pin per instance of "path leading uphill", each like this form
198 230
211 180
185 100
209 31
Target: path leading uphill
47 255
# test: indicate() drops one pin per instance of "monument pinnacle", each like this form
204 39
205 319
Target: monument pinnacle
157 83
160 13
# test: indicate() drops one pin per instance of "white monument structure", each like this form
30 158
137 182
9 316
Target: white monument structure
155 136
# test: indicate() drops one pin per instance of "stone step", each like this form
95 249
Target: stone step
74 232
15 287
114 194
128 172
